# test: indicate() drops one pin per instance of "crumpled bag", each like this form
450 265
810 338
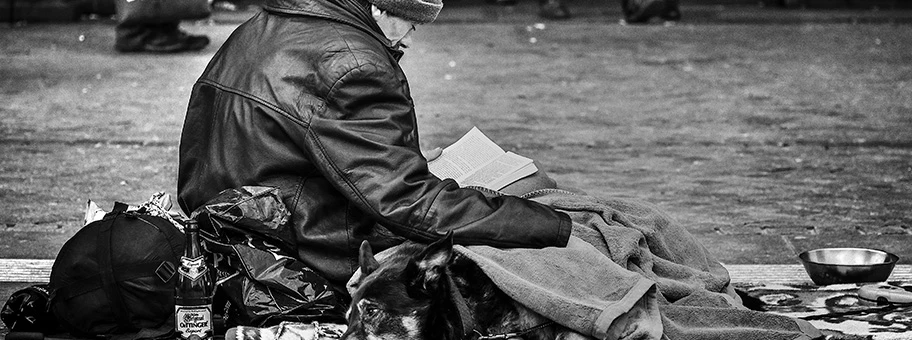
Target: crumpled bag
249 210
159 204
246 230
288 331
27 310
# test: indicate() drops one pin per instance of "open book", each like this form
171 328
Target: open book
475 160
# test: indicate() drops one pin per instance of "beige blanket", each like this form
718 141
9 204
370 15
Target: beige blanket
629 272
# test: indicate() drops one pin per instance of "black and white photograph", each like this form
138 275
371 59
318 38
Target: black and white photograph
456 169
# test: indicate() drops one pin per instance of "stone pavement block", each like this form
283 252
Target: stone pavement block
33 244
478 11
748 249
769 227
900 245
863 4
56 79
782 249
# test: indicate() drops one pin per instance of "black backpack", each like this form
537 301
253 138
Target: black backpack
116 275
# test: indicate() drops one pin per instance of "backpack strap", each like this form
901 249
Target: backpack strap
120 207
108 282
124 273
174 236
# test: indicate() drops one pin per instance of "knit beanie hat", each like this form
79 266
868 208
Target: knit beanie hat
417 11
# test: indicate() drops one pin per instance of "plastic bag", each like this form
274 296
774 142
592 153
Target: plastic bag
288 331
27 310
246 230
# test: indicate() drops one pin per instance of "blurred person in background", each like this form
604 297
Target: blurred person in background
156 38
642 11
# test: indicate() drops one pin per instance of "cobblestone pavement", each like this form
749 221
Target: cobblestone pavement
764 131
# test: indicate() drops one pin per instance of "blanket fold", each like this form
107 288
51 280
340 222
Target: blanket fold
629 272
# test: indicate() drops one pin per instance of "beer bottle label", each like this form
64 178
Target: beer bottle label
193 321
192 269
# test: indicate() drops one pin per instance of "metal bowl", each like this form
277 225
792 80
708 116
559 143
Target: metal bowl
847 265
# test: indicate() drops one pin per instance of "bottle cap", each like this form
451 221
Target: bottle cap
191 224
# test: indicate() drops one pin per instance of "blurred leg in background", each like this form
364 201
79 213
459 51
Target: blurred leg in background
156 38
641 11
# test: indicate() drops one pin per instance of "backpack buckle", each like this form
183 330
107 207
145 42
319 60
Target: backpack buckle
165 271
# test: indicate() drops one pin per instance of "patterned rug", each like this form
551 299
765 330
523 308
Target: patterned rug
837 310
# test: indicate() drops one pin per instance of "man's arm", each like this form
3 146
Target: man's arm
365 144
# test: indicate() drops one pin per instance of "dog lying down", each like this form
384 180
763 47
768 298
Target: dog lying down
429 292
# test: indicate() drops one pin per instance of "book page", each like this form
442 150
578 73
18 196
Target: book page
471 152
475 160
501 172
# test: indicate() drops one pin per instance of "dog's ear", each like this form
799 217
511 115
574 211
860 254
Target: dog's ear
437 255
428 268
366 259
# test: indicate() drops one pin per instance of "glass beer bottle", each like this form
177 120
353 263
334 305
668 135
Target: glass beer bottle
194 291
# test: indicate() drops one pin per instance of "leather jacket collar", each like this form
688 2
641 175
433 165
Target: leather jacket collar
352 12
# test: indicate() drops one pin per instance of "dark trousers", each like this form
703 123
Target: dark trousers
135 35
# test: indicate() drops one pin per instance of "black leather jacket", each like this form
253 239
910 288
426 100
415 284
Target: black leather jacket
308 97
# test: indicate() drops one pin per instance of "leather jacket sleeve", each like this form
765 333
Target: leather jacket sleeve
365 143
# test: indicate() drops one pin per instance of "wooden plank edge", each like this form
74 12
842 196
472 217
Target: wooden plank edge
793 273
25 270
38 271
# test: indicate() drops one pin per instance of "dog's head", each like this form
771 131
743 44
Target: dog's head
406 296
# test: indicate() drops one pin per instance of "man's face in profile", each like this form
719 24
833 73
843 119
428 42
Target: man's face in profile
397 30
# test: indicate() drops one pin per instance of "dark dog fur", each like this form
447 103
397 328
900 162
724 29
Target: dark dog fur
409 295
